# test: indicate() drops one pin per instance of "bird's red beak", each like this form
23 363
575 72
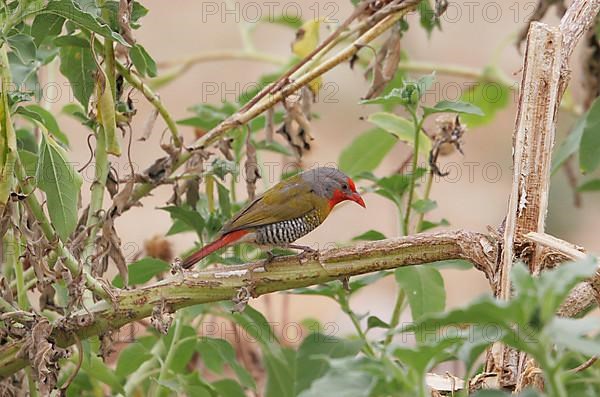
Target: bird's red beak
357 199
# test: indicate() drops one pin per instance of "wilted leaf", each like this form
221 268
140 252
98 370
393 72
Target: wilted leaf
106 113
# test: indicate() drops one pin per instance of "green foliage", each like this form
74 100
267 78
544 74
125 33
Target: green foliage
589 148
490 97
366 152
61 183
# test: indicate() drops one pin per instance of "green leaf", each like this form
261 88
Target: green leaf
131 358
184 348
143 61
142 271
590 186
188 216
78 66
342 380
569 146
376 322
428 19
424 288
371 235
93 365
310 365
573 334
454 107
589 149
71 11
273 146
35 112
44 26
224 199
229 388
424 206
490 97
23 47
61 183
401 128
216 353
366 152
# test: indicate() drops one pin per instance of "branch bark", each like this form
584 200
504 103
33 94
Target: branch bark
545 78
222 284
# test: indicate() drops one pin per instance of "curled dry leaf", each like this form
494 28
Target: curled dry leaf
106 345
43 355
270 124
122 199
385 64
447 138
7 294
112 182
149 124
124 18
161 318
112 244
296 128
251 168
157 171
224 146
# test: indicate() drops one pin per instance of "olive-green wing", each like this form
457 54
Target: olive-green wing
287 200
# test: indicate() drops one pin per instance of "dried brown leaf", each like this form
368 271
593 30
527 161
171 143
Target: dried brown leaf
251 168
224 146
124 18
149 124
161 318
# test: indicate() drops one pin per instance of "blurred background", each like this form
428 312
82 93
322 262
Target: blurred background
475 194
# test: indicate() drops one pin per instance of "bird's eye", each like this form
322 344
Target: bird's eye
344 186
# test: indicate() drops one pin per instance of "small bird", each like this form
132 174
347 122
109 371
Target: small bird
289 210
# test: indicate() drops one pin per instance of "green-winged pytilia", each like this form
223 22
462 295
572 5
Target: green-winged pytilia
289 210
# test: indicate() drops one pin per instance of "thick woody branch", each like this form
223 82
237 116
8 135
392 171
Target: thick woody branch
225 283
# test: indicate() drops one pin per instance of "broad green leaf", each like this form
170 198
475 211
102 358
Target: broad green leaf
23 47
188 216
366 152
35 112
141 271
24 76
143 61
280 373
573 334
590 186
342 381
216 353
371 235
589 148
394 97
29 161
490 97
224 199
428 19
44 26
184 348
71 11
309 362
274 147
61 183
424 206
454 107
92 364
229 388
400 127
424 288
78 66
131 358
569 146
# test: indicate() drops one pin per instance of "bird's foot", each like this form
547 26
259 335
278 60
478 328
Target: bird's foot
262 264
307 252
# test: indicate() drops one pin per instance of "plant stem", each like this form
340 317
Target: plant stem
153 98
94 219
418 124
170 354
428 185
345 305
395 319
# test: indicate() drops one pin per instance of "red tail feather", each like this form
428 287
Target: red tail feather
212 247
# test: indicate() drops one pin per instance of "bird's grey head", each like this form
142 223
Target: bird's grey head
332 184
